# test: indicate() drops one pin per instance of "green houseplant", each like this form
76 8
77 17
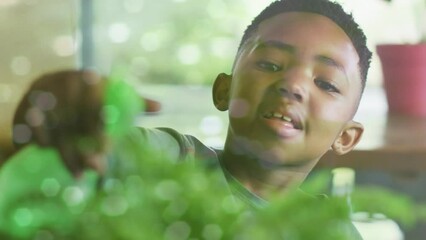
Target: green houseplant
145 195
404 72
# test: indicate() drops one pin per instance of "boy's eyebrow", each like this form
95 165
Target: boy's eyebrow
276 44
291 49
330 62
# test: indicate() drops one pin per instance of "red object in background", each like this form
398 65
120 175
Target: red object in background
404 78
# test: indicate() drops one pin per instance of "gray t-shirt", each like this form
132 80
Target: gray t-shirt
181 147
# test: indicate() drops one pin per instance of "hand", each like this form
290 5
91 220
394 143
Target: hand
151 106
64 110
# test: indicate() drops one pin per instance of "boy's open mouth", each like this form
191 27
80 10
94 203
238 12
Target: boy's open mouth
285 118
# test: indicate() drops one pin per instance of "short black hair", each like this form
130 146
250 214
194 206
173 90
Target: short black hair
331 10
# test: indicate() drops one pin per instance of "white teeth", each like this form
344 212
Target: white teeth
278 115
287 119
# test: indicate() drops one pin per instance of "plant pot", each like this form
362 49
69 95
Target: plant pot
404 78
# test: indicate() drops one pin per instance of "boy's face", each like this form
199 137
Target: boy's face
294 90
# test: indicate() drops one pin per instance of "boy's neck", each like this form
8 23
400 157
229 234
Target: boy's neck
259 179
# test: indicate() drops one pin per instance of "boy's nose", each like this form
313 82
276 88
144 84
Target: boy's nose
294 84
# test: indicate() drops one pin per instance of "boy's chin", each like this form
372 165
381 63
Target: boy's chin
277 164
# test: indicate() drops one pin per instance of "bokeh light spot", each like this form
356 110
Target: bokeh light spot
238 108
115 205
167 189
133 6
50 187
229 204
119 32
211 125
43 100
150 42
178 230
189 54
20 65
34 117
176 208
21 133
212 232
201 184
73 196
92 77
113 185
222 47
139 66
64 46
23 217
5 93
133 181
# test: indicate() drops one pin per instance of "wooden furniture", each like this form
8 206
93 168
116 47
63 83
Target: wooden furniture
390 143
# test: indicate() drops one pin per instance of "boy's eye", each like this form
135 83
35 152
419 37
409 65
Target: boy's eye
326 86
268 66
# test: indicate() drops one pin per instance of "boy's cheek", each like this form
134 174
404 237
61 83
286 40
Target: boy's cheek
325 131
333 112
239 108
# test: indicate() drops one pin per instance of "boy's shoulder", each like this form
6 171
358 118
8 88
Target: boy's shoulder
178 146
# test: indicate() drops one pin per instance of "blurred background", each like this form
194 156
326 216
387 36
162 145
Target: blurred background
173 50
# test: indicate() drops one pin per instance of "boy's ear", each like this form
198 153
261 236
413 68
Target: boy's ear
221 89
348 138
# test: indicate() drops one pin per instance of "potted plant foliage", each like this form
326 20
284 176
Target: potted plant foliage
404 69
